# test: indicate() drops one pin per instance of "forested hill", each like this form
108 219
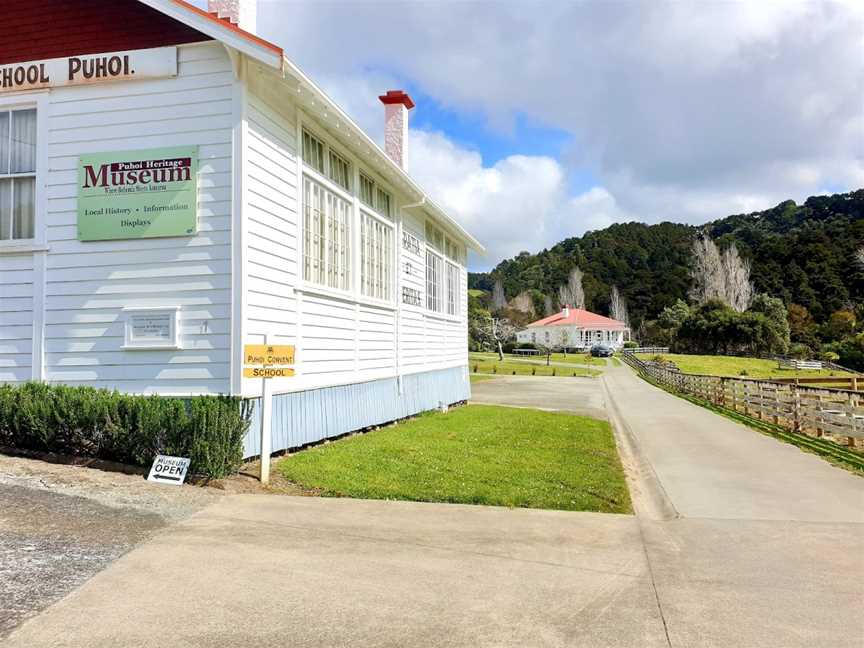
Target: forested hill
804 254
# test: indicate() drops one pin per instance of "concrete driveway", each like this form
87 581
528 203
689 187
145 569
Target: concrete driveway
579 394
739 540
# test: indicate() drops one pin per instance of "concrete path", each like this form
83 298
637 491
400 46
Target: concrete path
764 547
257 570
753 544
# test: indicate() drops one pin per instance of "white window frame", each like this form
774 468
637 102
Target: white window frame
386 273
346 238
453 279
39 102
435 284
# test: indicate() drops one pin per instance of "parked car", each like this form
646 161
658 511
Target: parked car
602 351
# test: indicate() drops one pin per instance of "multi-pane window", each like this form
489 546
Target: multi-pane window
434 237
313 151
383 203
326 237
376 258
434 281
340 171
17 174
367 190
452 289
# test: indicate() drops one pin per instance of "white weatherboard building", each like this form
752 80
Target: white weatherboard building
165 204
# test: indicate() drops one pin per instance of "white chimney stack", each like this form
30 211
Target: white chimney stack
243 13
396 107
565 312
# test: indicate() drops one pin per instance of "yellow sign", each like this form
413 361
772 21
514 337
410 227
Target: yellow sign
268 354
268 372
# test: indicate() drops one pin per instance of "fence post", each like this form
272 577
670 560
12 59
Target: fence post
796 408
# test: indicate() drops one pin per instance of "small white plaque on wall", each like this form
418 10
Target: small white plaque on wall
152 328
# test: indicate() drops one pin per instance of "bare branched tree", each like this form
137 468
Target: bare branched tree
859 256
724 276
739 290
618 307
707 271
548 306
572 293
501 330
499 301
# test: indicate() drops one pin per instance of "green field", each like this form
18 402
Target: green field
571 358
510 368
734 366
478 454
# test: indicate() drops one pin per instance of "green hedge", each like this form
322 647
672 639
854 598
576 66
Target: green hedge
130 429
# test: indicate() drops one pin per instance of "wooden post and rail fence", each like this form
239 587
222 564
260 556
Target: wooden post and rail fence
836 414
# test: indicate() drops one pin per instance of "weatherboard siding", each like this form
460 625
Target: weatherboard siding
89 283
16 317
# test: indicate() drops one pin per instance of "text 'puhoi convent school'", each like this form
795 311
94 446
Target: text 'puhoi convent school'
173 188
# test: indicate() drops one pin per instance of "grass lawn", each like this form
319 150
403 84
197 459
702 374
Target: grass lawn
493 366
475 378
574 358
733 366
478 454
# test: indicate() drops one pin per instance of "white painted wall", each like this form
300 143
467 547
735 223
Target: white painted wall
339 340
87 284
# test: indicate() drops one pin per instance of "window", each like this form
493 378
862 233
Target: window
434 287
313 151
326 237
367 191
340 171
376 244
383 203
17 174
434 237
453 295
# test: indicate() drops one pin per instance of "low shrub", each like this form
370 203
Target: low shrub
105 424
631 345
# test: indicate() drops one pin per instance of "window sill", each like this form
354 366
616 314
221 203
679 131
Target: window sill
24 247
442 316
151 347
320 291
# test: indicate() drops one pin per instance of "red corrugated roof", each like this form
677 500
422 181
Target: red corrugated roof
581 318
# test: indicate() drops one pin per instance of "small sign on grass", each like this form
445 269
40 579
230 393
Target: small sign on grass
169 470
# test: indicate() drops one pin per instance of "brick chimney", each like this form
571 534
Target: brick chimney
396 107
243 13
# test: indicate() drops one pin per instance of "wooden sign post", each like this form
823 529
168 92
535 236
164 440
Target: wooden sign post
263 357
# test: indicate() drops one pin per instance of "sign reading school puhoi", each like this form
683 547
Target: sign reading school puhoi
138 194
153 63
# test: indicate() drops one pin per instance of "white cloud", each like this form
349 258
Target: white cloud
519 203
681 111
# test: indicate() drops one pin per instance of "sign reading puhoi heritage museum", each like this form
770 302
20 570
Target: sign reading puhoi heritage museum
153 63
138 194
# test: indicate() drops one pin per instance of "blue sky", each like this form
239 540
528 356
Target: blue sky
532 126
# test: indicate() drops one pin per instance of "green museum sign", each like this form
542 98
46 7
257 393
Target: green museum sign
138 194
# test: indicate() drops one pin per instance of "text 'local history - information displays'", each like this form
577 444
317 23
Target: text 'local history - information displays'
138 194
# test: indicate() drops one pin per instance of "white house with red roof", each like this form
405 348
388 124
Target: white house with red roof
173 188
575 328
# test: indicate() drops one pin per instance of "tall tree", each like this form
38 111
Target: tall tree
706 271
736 279
618 307
572 293
499 301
